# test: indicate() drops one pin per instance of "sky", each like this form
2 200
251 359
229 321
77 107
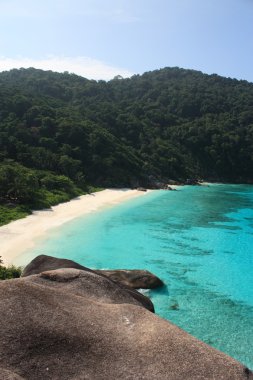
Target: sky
100 39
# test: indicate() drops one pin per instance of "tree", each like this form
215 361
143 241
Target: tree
17 183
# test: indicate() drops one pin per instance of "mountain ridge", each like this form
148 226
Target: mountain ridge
165 124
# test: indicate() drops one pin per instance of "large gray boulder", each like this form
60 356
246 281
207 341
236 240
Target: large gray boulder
71 324
87 283
135 279
43 263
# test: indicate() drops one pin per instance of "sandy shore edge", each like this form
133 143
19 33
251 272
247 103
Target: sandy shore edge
20 235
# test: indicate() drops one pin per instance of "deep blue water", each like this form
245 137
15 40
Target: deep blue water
199 240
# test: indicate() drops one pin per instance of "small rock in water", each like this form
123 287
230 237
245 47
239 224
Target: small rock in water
174 306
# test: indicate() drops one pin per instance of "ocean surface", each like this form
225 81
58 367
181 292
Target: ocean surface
198 240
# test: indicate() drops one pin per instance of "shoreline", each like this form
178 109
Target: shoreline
20 235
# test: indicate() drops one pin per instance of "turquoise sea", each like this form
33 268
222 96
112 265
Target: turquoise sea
199 240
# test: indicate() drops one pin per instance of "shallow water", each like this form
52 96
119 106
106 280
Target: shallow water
199 240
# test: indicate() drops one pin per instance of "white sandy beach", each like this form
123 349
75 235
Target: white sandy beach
20 235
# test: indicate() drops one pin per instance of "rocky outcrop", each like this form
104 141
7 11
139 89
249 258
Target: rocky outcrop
90 284
135 279
43 263
192 181
9 375
74 324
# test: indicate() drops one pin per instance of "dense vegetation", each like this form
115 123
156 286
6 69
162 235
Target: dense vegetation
7 273
60 132
23 188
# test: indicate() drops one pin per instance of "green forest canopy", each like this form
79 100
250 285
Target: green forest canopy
59 132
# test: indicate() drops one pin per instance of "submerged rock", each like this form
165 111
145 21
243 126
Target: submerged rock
76 324
135 279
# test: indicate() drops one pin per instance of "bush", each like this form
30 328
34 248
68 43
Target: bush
8 213
6 273
58 182
17 183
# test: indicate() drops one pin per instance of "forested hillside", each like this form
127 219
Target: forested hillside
60 132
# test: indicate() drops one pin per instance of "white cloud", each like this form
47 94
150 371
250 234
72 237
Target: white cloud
87 67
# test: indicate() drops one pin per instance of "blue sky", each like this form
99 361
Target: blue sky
102 38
